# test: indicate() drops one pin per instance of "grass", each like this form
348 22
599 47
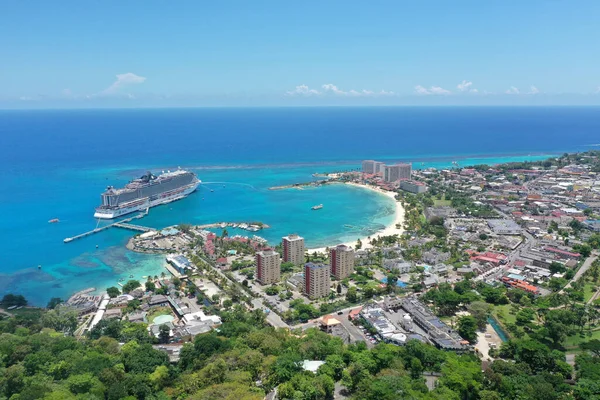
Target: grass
576 340
588 291
442 203
158 312
26 312
502 313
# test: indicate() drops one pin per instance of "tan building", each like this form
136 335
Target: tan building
317 282
268 267
341 261
393 173
372 167
293 249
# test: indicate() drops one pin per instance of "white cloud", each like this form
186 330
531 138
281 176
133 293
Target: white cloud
597 90
123 80
512 90
533 90
67 93
330 89
302 90
464 86
435 90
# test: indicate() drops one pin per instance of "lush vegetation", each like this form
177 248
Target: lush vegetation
246 359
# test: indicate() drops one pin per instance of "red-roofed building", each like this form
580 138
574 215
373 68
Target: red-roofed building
562 253
221 262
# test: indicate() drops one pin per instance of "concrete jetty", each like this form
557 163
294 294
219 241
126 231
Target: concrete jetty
124 224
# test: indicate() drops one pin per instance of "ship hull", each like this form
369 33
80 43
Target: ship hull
143 204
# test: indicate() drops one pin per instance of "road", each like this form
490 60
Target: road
272 318
586 265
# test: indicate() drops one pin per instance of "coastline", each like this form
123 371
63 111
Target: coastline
387 231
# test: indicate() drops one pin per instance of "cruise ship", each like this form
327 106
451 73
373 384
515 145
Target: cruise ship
145 192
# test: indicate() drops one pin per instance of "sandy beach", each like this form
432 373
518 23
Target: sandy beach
389 230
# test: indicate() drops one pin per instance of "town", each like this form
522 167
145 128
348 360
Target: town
483 249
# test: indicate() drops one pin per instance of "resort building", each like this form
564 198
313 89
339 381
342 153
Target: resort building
293 249
372 167
415 187
317 282
268 267
393 173
341 260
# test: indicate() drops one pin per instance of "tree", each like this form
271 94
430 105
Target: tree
131 285
339 288
555 284
392 280
54 302
467 328
13 300
272 290
61 319
150 286
352 294
227 303
113 292
287 266
592 346
556 267
480 311
177 283
164 333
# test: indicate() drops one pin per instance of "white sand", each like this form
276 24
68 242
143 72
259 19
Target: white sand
389 230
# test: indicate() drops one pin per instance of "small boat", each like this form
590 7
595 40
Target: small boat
317 207
211 190
54 221
39 267
130 276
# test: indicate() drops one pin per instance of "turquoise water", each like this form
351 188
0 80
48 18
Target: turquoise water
503 336
55 164
239 194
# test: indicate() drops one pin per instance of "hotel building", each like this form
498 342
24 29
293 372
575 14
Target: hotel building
293 249
317 282
415 187
268 267
341 261
393 173
372 167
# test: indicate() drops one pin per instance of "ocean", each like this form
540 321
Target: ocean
55 164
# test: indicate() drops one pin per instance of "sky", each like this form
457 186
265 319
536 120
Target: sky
78 54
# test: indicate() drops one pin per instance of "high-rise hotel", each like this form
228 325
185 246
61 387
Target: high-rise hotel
341 260
268 267
293 249
317 282
393 173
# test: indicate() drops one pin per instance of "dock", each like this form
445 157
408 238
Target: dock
132 227
123 224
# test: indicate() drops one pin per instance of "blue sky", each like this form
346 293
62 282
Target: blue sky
243 53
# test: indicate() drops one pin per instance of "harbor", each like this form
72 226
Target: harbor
123 224
179 238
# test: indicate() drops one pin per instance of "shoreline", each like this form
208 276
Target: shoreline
387 231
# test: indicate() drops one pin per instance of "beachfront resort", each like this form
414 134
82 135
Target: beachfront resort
470 258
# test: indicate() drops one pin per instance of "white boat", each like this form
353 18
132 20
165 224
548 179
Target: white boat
317 207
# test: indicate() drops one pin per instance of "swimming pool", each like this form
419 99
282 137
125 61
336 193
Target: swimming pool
400 284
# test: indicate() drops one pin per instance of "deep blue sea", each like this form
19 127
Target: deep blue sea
55 164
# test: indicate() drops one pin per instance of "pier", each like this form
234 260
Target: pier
124 224
132 227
